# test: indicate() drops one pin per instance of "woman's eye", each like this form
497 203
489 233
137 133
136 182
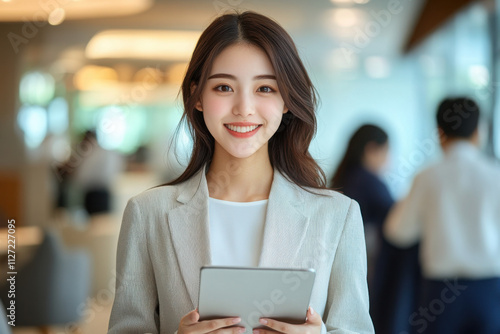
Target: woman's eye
223 88
265 89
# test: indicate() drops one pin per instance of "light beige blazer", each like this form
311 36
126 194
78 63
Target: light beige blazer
164 240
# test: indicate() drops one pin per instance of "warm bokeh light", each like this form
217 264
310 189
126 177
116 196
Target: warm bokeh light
147 44
57 16
151 77
94 77
349 2
339 22
175 73
35 10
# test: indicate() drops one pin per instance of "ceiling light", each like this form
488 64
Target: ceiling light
349 2
57 16
147 44
36 10
345 17
377 67
92 77
479 75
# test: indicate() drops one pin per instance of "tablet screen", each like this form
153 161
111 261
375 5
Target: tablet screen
252 293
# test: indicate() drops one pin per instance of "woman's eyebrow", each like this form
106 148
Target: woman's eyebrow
232 77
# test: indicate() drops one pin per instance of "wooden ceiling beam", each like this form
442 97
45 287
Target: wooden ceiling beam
434 14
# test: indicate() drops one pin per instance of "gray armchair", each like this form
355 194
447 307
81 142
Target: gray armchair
52 288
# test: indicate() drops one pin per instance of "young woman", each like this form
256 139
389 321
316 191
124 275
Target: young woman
251 195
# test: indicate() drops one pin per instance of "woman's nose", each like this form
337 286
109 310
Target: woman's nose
244 104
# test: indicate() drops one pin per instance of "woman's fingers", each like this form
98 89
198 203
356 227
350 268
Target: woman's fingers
231 330
190 318
275 326
211 326
312 325
191 325
313 318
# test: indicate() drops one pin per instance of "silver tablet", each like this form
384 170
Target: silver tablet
252 293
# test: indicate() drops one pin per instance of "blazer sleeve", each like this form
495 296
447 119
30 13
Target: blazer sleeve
135 308
347 309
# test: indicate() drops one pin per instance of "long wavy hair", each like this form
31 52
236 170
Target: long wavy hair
355 151
289 146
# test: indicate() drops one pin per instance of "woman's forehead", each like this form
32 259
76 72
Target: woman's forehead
242 59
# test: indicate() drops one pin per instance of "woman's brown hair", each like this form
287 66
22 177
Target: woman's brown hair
289 146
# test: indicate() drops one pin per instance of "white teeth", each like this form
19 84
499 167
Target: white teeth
241 129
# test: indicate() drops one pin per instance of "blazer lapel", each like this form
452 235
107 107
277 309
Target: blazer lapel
286 226
284 232
189 228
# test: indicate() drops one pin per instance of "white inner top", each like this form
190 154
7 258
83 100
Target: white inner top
236 231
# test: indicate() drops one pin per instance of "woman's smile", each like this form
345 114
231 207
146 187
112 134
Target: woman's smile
242 130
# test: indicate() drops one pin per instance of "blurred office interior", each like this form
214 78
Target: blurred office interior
115 67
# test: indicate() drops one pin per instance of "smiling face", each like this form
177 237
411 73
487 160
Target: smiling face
241 104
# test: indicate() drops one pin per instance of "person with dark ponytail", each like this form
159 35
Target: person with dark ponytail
357 175
251 195
393 273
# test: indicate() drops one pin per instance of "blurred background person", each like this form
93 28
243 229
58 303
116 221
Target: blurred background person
95 174
392 272
453 207
357 176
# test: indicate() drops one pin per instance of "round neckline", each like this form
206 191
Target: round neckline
262 201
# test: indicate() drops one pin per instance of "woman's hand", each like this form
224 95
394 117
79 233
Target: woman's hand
311 326
190 325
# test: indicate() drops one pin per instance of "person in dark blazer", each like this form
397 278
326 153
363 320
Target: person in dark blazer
251 195
393 272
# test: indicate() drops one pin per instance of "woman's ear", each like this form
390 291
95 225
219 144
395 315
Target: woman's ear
198 104
285 110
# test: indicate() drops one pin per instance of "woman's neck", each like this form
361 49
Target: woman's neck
240 180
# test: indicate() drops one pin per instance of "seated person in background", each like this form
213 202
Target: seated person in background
453 207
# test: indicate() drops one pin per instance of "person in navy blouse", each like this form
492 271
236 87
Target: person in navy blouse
393 273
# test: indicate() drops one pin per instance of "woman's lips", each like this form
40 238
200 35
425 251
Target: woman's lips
242 130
